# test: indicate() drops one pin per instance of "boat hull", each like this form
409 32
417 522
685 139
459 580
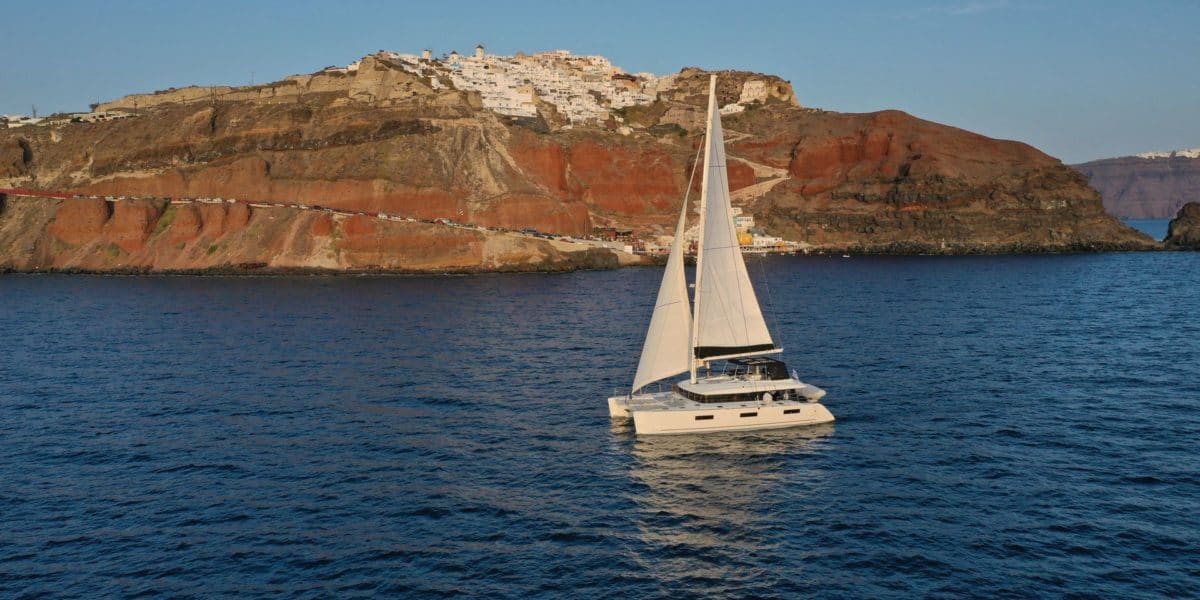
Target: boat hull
668 414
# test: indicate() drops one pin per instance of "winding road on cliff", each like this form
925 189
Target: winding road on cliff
759 189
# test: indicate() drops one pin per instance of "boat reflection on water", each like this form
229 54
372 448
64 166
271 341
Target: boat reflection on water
712 509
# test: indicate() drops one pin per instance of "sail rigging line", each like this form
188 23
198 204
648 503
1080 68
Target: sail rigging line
762 272
695 163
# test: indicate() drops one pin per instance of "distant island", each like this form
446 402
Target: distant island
1150 185
478 162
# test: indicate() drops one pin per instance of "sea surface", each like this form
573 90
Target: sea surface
1155 228
1007 427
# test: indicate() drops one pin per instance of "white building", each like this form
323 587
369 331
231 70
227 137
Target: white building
765 241
582 88
19 120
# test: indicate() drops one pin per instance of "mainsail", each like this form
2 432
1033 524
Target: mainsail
668 346
729 321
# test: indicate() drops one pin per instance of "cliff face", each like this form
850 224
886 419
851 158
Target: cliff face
887 182
152 236
1184 230
386 140
1145 188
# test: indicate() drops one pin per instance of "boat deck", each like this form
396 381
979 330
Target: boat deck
670 401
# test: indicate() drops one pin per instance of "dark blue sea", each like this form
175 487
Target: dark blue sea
1008 427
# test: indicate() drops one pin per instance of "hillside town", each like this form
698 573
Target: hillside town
1187 153
582 88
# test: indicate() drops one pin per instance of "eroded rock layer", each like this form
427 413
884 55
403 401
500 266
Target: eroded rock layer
150 236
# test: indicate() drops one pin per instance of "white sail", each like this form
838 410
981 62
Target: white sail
668 342
729 321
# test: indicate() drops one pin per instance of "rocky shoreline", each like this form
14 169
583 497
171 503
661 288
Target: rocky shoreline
919 249
600 263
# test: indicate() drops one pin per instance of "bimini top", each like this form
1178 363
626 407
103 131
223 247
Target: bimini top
770 368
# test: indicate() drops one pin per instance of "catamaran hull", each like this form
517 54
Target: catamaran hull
649 419
618 408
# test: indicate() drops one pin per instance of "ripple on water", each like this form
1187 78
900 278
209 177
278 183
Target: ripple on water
1007 427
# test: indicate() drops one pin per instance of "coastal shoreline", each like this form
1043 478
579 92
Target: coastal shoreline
652 261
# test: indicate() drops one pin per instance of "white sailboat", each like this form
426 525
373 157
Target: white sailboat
722 333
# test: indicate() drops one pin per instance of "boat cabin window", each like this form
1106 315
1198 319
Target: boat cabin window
756 367
776 395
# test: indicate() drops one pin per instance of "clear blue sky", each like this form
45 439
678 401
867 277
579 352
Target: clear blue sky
1078 79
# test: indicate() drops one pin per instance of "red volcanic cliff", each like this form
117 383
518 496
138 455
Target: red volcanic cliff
385 141
892 183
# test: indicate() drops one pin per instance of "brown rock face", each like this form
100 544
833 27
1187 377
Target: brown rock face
322 226
379 245
586 176
551 215
16 157
237 216
544 164
80 221
383 140
1184 230
625 181
1144 188
132 223
187 223
76 235
888 182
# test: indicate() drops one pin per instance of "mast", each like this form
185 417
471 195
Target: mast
712 103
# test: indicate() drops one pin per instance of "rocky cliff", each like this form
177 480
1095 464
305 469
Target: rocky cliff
1184 230
382 139
153 236
1138 187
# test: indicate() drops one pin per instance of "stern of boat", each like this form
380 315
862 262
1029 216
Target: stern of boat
618 407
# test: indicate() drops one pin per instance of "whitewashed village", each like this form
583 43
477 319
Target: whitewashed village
583 89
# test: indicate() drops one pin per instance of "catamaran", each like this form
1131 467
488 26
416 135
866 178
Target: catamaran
721 338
